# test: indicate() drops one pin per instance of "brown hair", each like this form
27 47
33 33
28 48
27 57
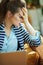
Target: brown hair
11 5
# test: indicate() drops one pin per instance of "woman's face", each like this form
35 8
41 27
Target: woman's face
17 17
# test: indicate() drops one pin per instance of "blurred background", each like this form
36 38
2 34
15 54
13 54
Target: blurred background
35 14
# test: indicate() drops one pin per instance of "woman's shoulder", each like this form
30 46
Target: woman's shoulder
1 26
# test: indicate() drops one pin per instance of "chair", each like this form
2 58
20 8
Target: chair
34 56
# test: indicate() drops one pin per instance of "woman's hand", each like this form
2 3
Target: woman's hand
30 29
25 14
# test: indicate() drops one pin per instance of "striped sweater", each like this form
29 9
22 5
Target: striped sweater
22 37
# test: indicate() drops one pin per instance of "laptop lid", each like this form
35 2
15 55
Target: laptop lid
13 58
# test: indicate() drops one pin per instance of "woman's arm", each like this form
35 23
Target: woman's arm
32 40
30 29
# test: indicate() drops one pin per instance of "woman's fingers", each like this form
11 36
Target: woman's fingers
21 14
23 11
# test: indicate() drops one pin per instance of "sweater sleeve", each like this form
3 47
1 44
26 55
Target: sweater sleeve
32 40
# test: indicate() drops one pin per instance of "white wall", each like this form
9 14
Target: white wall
0 0
41 2
35 15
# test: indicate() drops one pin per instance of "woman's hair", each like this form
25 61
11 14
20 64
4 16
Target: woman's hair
9 5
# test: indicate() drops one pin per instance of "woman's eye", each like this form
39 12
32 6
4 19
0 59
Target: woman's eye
21 17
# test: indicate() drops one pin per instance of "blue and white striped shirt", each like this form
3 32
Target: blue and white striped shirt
22 37
10 43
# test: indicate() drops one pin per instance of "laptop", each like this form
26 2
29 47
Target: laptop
13 58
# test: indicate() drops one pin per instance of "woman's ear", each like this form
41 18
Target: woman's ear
9 14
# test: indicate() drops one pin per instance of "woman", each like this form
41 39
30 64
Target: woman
12 33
